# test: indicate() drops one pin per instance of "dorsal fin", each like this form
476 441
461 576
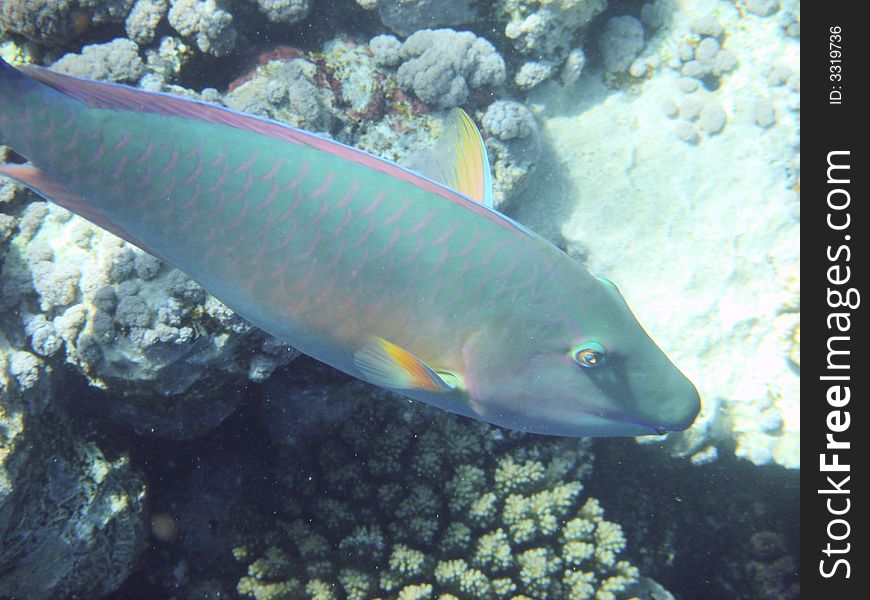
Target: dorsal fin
458 159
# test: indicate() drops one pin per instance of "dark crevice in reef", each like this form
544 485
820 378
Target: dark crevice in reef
728 526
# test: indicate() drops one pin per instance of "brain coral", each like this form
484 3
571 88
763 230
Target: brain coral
431 506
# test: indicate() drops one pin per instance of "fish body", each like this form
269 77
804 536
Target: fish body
376 270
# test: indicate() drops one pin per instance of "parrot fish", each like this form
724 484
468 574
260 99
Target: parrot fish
410 281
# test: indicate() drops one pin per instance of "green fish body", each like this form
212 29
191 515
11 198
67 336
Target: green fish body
371 268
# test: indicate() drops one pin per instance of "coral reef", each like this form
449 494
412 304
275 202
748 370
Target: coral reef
286 90
545 32
58 22
207 22
73 520
442 66
513 145
407 16
620 43
117 60
284 11
489 515
128 323
143 19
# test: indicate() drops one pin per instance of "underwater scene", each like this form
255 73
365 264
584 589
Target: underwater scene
399 299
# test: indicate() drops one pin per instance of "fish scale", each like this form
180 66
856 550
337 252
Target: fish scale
318 217
376 270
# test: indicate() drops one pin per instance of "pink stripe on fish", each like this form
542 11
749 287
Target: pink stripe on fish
276 168
338 254
170 164
327 292
249 181
288 237
422 224
311 248
242 215
124 139
193 151
324 187
197 171
303 173
372 224
101 150
265 227
421 243
247 164
48 129
119 169
348 196
376 201
220 180
146 177
345 221
221 157
145 155
324 208
267 201
445 252
167 190
73 142
466 250
443 237
398 214
391 244
218 206
292 208
191 202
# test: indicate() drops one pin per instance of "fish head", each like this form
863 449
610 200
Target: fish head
577 370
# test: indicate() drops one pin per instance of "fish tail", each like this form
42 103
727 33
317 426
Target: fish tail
22 100
13 85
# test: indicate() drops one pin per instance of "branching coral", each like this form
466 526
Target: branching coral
437 506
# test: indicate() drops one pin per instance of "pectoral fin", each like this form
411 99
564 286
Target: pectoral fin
387 365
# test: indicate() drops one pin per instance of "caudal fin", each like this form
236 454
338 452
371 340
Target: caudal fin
26 106
14 88
13 84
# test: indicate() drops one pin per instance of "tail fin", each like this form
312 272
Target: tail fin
24 103
14 85
7 71
13 82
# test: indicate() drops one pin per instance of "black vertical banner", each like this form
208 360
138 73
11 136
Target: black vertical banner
834 57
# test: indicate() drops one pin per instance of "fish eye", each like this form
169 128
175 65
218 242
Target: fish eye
589 354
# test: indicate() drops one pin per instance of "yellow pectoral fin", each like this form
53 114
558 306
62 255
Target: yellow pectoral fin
387 365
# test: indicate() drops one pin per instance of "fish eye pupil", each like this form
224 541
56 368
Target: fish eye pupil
590 354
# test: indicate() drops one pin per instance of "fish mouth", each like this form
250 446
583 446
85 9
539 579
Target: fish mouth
646 427
642 427
650 428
